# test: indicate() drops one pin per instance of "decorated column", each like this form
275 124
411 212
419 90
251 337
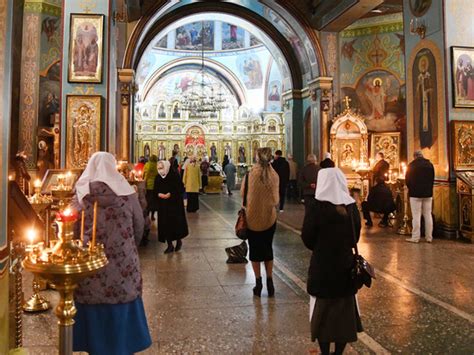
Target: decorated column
126 79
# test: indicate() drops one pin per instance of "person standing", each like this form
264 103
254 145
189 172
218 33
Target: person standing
327 162
174 162
230 170
420 180
262 201
204 172
282 168
225 161
110 315
149 174
308 179
192 184
380 169
172 224
140 166
330 230
293 179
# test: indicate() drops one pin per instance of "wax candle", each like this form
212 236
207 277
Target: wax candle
37 183
31 235
66 215
83 218
94 225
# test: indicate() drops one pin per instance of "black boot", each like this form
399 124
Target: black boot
270 287
179 244
257 290
170 248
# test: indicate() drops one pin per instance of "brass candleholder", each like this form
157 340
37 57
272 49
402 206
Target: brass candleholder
364 172
17 253
404 228
62 192
65 264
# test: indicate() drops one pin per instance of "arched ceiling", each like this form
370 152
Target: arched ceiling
284 36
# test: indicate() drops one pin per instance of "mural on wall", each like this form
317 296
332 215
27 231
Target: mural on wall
232 36
251 71
195 36
425 106
163 42
381 100
254 41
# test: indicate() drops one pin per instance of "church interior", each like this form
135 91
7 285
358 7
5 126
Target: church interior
217 81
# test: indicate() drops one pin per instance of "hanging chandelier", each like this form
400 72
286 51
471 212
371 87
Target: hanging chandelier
201 100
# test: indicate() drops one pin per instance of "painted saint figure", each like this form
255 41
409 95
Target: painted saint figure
146 151
213 152
242 158
161 152
82 136
376 95
228 150
424 92
347 155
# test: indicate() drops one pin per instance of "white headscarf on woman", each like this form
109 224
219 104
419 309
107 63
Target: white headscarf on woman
165 169
102 167
332 187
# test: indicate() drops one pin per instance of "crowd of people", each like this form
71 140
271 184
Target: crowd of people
110 312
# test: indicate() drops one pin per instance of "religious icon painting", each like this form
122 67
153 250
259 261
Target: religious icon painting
86 48
462 62
463 145
389 144
83 129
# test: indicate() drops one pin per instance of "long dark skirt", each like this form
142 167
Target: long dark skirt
151 201
260 244
193 201
172 224
335 320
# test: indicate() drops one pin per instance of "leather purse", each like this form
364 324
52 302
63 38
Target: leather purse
362 272
241 224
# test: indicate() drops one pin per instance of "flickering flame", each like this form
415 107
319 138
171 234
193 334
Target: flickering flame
37 183
10 177
67 212
31 235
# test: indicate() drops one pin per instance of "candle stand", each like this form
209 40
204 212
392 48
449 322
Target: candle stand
404 228
65 264
62 193
17 253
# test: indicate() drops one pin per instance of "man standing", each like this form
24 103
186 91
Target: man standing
420 179
292 185
205 172
308 179
381 168
282 168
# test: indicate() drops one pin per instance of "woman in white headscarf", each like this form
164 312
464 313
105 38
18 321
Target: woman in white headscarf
110 315
331 228
172 224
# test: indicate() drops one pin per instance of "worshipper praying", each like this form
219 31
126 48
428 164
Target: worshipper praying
149 174
110 315
327 162
380 200
380 169
282 168
172 224
192 184
262 201
293 177
308 178
230 170
204 172
330 230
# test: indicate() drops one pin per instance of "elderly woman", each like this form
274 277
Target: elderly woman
331 228
262 198
192 183
149 174
172 224
230 170
110 316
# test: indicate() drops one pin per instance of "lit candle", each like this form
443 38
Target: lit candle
68 178
354 164
83 218
31 235
10 177
66 215
37 183
94 225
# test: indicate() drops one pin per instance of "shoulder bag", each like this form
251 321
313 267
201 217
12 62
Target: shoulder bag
362 272
241 225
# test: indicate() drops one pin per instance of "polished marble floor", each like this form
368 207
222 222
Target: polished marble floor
422 301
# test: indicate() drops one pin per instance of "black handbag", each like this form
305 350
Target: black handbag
237 254
362 272
241 224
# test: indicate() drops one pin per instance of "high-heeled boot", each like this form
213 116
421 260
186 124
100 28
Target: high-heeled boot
257 290
270 287
178 246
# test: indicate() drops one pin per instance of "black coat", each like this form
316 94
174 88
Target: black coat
328 233
172 224
380 171
420 178
282 168
380 199
327 163
308 176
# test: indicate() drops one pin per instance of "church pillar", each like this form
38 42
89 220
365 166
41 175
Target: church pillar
6 42
126 79
320 92
294 118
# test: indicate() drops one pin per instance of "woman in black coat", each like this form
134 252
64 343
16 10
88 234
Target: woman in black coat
172 224
329 227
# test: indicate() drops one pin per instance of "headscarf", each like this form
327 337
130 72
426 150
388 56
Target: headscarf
166 168
327 155
264 156
102 167
332 187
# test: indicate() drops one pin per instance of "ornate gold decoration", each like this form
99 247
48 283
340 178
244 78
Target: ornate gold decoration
83 128
87 6
463 145
84 90
389 144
